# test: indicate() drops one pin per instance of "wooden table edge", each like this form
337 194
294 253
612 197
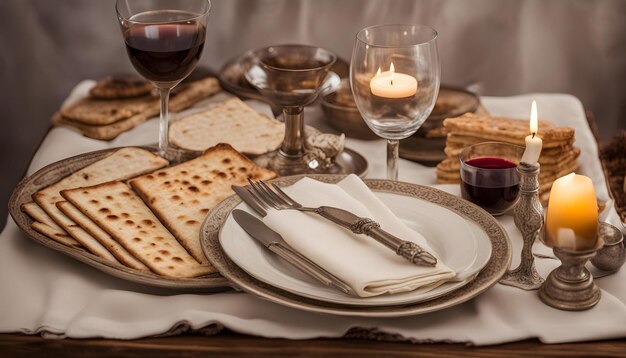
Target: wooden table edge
235 344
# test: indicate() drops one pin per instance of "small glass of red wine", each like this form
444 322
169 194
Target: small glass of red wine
489 177
164 41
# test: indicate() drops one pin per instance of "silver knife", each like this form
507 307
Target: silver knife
275 243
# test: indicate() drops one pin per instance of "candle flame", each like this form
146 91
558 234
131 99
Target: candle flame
378 72
533 119
392 70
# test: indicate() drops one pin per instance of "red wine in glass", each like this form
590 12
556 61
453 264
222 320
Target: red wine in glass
164 53
491 183
164 41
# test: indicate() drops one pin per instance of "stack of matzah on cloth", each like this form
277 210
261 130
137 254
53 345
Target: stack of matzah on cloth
106 114
558 156
155 228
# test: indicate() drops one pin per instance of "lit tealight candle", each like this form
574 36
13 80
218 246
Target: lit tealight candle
572 218
390 84
533 142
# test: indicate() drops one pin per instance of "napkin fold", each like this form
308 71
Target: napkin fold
369 267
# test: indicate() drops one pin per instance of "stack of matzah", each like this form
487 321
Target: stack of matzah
155 228
106 117
558 156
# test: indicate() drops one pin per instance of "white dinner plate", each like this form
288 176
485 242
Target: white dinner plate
461 244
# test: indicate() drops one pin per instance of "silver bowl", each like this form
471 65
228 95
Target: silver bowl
343 115
612 255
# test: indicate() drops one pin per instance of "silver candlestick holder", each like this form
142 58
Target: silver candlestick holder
570 287
529 220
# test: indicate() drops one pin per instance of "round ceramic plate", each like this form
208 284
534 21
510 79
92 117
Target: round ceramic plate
461 244
497 264
55 172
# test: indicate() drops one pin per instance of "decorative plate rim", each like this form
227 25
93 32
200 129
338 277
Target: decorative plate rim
473 265
492 272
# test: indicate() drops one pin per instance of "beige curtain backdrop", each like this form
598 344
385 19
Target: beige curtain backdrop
501 47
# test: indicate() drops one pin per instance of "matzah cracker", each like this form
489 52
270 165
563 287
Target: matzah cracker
102 236
105 132
189 95
232 122
182 195
120 86
507 129
85 239
120 212
38 214
449 169
96 111
548 156
474 138
59 236
453 165
123 164
454 178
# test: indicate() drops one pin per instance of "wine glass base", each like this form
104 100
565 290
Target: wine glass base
176 155
283 165
346 162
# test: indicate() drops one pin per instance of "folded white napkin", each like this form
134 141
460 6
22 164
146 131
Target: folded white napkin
369 267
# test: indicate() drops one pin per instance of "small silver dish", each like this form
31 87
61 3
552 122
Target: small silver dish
612 255
343 115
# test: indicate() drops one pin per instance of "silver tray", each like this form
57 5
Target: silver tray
496 267
55 172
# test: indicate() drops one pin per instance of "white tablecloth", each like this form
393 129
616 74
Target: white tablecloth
43 291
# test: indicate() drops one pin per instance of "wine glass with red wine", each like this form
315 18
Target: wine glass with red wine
489 175
164 40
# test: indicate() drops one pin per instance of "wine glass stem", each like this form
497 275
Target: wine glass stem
293 141
393 146
163 121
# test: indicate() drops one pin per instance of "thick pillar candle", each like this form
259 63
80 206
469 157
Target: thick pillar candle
572 218
390 84
533 142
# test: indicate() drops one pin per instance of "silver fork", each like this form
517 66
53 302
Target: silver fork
276 198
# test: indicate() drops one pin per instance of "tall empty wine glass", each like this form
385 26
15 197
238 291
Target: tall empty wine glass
394 75
164 40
